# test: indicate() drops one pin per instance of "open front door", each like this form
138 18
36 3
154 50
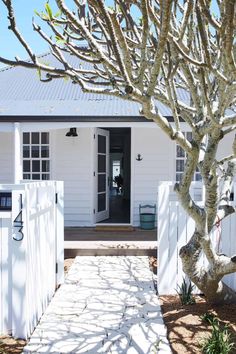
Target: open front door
102 174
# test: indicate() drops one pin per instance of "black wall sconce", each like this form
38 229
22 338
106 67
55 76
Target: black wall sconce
72 132
139 158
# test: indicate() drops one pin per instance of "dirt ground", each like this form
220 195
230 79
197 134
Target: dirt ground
67 264
9 345
185 328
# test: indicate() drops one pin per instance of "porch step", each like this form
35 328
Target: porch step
114 228
90 234
109 248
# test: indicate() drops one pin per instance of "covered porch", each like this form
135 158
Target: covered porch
109 241
74 160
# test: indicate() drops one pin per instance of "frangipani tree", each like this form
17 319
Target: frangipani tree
146 51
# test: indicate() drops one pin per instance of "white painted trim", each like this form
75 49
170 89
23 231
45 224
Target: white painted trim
94 223
174 162
45 126
18 174
132 135
104 214
52 154
93 178
30 158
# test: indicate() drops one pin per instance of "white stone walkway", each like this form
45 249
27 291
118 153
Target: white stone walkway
107 305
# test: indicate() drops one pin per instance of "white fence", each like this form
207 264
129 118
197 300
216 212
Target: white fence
175 228
31 254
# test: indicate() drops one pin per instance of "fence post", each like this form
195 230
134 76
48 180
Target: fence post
59 188
5 273
163 274
174 230
19 271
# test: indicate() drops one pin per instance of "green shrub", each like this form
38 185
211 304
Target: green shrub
208 317
219 342
185 292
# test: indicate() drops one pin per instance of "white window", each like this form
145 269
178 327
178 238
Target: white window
181 157
36 163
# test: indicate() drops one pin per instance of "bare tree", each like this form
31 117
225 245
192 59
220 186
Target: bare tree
146 51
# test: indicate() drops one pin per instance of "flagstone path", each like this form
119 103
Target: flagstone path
106 305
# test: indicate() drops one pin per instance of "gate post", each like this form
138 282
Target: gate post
59 189
20 306
163 237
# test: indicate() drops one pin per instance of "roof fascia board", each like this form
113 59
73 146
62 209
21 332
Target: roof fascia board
50 118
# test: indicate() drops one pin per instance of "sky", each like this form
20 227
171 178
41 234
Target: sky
9 46
24 10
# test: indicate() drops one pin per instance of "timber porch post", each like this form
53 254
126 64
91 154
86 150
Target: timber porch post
18 176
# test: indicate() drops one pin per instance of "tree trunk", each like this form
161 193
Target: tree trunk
207 278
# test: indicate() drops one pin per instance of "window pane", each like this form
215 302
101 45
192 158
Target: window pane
189 136
178 177
34 138
101 163
181 159
34 151
26 176
101 144
101 202
45 176
35 166
198 177
45 166
44 151
35 156
35 176
180 165
26 151
26 138
179 151
26 166
101 182
44 138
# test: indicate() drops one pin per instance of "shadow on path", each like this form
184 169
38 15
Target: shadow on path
107 305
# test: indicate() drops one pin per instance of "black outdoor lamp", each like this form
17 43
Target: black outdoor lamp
72 132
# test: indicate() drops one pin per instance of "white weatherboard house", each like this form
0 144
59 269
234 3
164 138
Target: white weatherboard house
55 131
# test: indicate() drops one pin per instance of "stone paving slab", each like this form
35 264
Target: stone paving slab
106 305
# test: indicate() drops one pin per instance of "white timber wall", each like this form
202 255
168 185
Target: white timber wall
174 230
32 254
72 162
157 164
225 146
6 157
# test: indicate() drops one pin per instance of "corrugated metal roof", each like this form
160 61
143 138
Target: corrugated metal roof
22 93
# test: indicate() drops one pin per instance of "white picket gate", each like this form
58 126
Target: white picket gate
175 227
32 254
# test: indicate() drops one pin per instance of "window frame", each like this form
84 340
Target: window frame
197 175
32 155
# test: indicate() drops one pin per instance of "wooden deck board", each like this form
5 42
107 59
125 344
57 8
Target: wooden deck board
89 241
